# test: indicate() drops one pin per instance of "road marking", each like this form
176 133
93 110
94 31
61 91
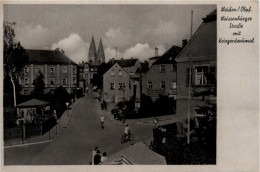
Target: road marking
27 144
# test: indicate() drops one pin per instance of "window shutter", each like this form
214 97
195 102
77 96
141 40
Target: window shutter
212 75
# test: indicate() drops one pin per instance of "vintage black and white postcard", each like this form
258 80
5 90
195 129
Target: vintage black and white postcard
160 86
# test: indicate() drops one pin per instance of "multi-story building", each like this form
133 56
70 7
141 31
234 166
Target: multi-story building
119 83
160 79
57 68
199 58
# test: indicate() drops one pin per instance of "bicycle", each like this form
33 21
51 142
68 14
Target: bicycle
129 138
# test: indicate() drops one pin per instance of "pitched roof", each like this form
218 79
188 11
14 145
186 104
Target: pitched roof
154 58
33 103
126 62
143 69
137 154
205 41
211 16
100 52
169 56
92 47
48 57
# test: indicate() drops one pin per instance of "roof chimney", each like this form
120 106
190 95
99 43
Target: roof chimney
156 51
184 43
113 60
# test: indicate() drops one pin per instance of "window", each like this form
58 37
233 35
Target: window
26 81
74 80
173 68
39 70
112 72
26 70
52 81
162 68
74 71
121 86
112 86
64 81
120 72
174 85
51 70
201 75
163 84
64 70
150 84
26 92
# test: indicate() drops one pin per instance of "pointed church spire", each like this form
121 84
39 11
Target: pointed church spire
101 53
92 51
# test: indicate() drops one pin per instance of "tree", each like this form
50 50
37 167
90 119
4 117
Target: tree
97 79
39 85
15 56
60 97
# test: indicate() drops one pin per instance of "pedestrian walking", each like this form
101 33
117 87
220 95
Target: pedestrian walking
94 152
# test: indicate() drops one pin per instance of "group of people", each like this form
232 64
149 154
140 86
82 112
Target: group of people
97 159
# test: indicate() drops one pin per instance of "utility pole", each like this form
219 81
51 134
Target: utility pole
116 52
69 76
190 70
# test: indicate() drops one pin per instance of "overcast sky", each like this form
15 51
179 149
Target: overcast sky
135 29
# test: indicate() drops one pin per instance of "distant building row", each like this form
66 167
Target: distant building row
168 74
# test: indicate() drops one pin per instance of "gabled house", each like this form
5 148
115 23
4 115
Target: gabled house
199 58
56 67
160 79
119 82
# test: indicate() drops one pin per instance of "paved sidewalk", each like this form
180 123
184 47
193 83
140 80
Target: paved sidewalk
162 120
63 122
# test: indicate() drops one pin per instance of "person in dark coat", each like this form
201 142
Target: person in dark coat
97 158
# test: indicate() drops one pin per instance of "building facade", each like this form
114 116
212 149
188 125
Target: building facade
120 82
160 79
117 85
199 57
56 67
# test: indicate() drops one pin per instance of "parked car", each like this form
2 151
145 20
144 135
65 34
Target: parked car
117 113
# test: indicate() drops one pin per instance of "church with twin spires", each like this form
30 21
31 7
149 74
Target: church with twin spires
96 57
